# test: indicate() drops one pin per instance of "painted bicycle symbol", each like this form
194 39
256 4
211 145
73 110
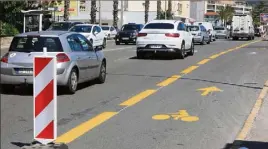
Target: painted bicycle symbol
181 114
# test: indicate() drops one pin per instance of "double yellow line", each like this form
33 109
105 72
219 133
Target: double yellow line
101 118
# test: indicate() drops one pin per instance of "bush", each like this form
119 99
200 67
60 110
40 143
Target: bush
8 30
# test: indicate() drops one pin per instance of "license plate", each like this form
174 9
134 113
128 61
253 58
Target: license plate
125 38
24 71
156 46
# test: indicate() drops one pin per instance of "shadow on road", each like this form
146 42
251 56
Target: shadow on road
28 90
247 145
154 58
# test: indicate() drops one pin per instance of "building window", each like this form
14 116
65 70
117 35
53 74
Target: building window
179 9
82 5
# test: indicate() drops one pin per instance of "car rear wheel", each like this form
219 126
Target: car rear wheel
191 52
73 81
182 51
117 43
208 42
102 75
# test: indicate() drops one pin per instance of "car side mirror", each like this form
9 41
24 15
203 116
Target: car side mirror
95 33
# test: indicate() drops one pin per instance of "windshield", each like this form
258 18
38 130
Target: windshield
129 27
219 28
193 28
105 28
63 26
36 44
159 26
82 29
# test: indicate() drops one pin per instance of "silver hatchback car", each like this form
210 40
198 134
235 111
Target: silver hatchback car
77 61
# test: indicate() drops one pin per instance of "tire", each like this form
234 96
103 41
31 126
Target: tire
7 88
210 38
208 42
253 38
191 52
182 51
117 43
214 39
104 43
91 41
72 81
140 55
109 36
102 74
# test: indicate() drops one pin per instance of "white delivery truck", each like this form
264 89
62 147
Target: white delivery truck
242 27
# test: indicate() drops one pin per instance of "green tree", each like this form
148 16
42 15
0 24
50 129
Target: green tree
159 9
146 10
226 14
66 10
93 11
115 13
262 7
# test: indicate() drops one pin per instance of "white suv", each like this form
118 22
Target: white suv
165 36
92 32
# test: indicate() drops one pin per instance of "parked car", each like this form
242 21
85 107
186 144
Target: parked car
257 32
62 26
210 29
109 31
77 61
222 32
200 34
165 37
92 32
128 33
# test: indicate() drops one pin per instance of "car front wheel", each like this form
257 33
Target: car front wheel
104 43
182 51
191 52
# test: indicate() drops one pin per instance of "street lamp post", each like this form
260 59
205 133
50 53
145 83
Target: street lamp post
122 13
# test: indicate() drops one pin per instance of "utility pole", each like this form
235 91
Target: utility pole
122 13
100 12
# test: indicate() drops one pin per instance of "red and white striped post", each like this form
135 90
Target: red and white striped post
45 98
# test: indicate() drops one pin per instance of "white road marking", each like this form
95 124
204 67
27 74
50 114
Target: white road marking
195 51
253 53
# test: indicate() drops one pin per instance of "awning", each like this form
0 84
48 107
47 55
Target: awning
211 14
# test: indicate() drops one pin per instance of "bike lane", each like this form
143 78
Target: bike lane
238 78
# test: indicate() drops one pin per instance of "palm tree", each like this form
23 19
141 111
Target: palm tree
146 10
158 9
226 14
93 12
115 13
66 10
169 10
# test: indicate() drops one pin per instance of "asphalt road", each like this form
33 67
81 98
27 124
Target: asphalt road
123 113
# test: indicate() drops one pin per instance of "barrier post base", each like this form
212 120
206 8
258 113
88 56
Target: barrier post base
48 146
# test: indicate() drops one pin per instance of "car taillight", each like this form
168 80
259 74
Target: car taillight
172 35
142 34
62 57
4 59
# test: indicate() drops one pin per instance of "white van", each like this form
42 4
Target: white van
242 27
209 28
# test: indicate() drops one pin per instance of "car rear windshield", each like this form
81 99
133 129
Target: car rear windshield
159 26
219 28
105 28
81 28
62 26
193 28
36 44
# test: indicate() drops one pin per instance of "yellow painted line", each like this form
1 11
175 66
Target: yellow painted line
254 112
224 52
84 127
189 69
214 56
204 61
169 80
135 99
